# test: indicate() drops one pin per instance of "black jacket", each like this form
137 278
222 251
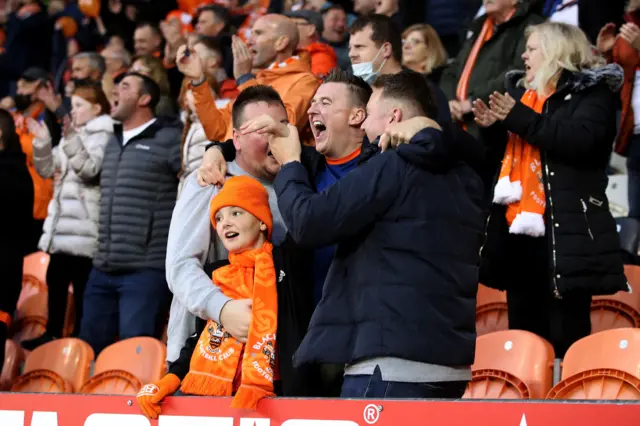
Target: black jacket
404 277
575 134
139 184
295 305
498 55
16 193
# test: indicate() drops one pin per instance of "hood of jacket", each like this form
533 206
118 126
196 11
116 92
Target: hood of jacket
612 75
291 67
102 123
318 47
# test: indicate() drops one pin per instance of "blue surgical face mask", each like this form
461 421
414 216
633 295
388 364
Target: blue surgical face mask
365 70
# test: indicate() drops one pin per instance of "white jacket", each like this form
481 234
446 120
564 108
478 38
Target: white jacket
192 150
71 226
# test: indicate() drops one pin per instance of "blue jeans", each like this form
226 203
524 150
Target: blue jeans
633 171
373 387
124 305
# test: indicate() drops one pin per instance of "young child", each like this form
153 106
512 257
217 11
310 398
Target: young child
215 363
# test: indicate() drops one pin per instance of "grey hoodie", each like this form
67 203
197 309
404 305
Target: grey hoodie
193 243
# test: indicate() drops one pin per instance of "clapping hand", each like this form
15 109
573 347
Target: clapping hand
482 114
38 129
631 33
242 57
501 105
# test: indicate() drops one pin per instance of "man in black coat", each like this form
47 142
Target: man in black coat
398 305
16 193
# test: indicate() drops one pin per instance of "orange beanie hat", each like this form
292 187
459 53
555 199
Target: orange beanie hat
246 193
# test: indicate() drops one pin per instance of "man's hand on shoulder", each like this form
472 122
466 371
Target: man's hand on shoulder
213 169
402 132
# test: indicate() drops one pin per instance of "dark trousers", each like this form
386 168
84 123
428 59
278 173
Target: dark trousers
124 305
64 269
530 300
373 387
633 171
11 264
32 236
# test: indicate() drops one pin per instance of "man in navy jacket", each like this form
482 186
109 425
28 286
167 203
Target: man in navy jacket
398 305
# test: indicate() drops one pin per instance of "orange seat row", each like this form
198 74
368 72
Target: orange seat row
516 364
620 310
64 365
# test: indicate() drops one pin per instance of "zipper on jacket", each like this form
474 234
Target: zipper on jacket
58 201
586 218
111 197
556 291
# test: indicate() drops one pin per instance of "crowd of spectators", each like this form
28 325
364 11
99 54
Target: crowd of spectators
409 150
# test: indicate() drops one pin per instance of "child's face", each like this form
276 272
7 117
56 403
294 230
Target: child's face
239 230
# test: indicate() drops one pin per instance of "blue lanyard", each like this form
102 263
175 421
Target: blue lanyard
550 7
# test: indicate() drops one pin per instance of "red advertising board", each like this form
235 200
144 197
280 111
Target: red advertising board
77 410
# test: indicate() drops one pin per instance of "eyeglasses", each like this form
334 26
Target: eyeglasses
412 42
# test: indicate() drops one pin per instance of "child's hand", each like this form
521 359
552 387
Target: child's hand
150 396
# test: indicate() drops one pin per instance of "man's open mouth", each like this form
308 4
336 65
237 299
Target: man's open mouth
230 235
318 128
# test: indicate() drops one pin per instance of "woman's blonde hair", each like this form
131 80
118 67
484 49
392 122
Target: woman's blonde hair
563 47
157 71
436 55
633 5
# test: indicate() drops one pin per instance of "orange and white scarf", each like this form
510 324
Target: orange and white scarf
520 186
251 275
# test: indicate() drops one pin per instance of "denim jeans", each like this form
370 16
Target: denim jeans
124 305
373 387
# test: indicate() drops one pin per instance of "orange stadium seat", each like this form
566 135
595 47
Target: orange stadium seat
491 310
621 310
34 270
28 328
511 364
13 358
61 366
34 306
602 366
31 317
122 368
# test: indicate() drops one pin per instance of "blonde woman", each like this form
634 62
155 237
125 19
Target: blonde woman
551 241
154 69
423 52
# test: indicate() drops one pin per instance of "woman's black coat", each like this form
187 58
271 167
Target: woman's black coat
575 134
16 214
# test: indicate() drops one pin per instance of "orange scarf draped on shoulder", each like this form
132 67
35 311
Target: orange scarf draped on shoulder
251 275
520 186
487 31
